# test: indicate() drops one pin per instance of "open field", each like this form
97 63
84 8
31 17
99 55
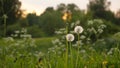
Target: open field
42 43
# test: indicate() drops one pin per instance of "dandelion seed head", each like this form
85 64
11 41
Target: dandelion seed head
78 29
70 37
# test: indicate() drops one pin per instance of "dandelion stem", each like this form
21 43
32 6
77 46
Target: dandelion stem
71 55
77 51
66 47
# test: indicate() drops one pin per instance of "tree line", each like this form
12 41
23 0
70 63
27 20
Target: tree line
51 19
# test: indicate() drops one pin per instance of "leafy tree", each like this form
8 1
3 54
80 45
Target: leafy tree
9 13
118 14
76 13
10 8
118 17
23 22
32 19
61 7
100 9
50 20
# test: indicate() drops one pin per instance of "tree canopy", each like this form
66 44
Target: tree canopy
10 13
10 8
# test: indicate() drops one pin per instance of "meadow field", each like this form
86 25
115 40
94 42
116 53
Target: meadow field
59 34
76 49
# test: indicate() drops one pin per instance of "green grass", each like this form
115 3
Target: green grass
56 58
24 56
1 42
44 43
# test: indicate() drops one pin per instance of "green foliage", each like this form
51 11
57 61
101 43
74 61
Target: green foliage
111 28
42 45
23 22
97 54
26 52
1 31
32 19
12 28
116 36
14 54
98 8
50 21
10 13
12 9
35 31
97 47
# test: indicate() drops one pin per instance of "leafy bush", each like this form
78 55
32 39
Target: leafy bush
35 31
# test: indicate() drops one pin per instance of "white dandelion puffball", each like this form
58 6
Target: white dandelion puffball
70 37
78 29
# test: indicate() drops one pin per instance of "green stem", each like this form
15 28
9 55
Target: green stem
66 48
67 28
4 58
4 27
71 55
78 51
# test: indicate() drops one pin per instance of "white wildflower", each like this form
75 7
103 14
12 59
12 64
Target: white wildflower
26 36
8 39
62 29
82 51
77 22
78 29
24 30
79 42
100 30
71 31
17 32
98 21
72 25
15 35
90 22
82 37
88 39
93 29
102 26
70 37
109 53
58 32
55 41
5 16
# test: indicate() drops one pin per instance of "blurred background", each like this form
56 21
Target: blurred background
33 33
41 18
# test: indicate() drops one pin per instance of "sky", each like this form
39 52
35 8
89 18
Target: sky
39 6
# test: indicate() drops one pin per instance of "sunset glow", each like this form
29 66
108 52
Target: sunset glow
39 6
